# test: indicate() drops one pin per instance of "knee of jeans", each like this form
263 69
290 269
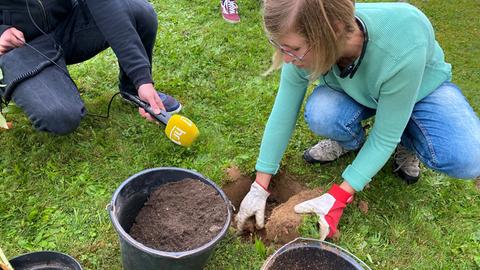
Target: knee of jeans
463 166
322 111
321 123
58 121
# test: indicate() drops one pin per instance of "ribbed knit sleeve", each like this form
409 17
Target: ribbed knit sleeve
282 120
395 104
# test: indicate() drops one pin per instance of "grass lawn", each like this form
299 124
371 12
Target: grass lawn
53 190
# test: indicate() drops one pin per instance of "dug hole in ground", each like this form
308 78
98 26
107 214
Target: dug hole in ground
281 221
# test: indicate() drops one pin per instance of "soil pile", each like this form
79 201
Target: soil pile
282 225
309 258
180 216
281 222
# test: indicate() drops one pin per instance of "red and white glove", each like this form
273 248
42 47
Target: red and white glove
253 204
329 207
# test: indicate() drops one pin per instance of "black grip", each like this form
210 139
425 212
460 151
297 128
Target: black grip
162 117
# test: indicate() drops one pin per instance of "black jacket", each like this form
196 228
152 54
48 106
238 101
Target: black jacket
14 13
109 15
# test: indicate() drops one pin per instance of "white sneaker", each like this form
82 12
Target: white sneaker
324 151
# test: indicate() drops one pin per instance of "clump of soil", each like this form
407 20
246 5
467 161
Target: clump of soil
281 221
235 192
282 225
363 206
180 216
309 258
282 188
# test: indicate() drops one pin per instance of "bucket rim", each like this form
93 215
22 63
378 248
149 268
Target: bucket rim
174 255
47 252
350 257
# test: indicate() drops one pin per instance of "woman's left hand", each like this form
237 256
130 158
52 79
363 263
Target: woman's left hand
329 207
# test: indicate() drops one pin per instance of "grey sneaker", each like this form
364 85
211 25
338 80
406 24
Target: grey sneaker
324 151
406 165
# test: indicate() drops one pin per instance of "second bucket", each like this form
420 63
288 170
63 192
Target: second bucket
307 253
127 201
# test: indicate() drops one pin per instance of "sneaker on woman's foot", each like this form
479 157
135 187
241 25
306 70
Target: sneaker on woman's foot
324 151
406 165
230 11
170 103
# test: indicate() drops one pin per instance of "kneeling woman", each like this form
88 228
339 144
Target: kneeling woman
372 59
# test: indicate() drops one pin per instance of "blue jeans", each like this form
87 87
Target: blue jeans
443 130
51 99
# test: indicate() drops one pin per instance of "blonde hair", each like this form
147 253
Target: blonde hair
325 25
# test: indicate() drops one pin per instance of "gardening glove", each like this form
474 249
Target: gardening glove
329 207
253 204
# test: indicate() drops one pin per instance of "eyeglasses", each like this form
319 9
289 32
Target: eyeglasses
287 52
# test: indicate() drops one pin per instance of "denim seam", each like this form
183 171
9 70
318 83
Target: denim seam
349 130
431 149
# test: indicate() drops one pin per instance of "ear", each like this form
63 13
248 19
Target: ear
339 28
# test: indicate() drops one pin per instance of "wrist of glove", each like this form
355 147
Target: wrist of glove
329 207
253 205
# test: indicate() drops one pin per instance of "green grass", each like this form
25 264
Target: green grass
53 190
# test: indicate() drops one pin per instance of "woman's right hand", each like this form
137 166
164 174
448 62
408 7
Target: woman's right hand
10 39
254 202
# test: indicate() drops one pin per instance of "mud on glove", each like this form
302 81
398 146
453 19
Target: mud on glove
329 207
253 204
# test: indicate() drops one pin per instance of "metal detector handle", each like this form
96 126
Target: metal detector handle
162 117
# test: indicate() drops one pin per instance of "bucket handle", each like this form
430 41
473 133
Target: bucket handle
335 246
110 207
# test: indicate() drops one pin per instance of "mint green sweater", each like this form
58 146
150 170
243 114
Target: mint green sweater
403 63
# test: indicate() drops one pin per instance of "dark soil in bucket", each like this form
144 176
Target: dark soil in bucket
180 216
309 258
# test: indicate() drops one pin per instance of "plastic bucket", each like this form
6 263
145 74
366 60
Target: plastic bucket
127 201
317 254
45 260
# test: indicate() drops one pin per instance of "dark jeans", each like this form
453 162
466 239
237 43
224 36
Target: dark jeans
51 99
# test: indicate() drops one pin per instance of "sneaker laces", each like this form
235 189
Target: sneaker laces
231 6
406 161
327 150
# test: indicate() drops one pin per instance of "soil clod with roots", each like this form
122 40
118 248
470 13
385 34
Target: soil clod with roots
281 222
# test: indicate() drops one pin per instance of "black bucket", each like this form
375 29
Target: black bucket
306 253
127 201
45 260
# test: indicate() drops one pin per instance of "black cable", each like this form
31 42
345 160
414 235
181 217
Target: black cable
55 44
36 70
35 24
324 77
108 109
